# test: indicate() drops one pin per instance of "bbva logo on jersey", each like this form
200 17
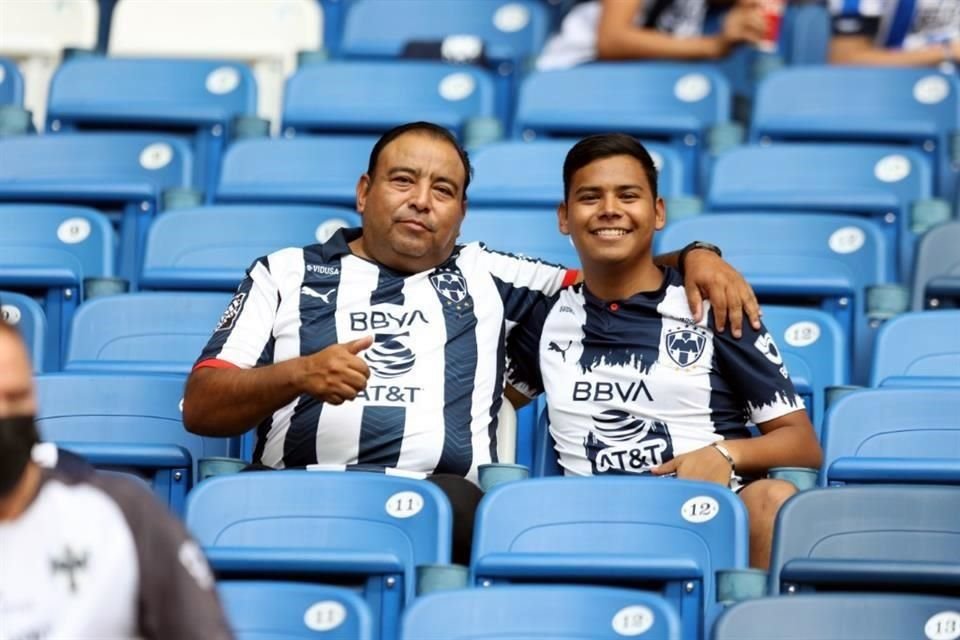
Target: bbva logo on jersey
685 346
451 286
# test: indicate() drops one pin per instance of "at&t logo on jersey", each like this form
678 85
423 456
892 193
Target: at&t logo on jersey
685 346
623 443
390 356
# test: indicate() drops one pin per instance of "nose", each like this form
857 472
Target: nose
420 197
610 206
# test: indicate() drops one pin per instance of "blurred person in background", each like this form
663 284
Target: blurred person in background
895 32
650 30
85 555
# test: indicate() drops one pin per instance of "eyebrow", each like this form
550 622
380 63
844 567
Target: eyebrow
619 187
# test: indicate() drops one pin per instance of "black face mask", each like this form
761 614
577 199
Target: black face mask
18 434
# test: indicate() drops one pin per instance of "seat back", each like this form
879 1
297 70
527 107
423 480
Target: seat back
936 276
893 435
532 233
882 183
26 315
659 531
11 83
536 611
264 33
262 610
153 331
306 170
179 255
371 97
827 617
918 344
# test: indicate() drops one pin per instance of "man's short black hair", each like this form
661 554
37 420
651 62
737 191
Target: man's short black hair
426 128
603 146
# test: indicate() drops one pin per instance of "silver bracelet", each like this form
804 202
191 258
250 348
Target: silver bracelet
726 454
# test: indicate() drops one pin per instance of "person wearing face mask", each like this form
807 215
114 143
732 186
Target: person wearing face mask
84 555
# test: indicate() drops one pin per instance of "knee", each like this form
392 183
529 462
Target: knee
764 498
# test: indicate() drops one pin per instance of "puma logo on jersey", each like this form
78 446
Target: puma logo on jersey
307 291
553 346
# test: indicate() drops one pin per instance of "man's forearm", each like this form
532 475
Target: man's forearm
789 446
671 260
228 402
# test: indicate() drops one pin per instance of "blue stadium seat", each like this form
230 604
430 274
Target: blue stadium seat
529 232
371 97
263 610
815 259
26 315
199 98
915 107
676 103
936 274
903 435
920 344
46 251
123 175
889 185
548 612
832 616
130 422
530 174
870 538
367 530
504 35
151 331
307 170
659 534
180 256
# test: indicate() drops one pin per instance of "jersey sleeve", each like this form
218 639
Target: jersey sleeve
754 368
523 282
246 325
178 597
523 351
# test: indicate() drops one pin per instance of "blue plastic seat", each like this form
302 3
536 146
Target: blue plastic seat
123 175
676 103
888 185
529 232
825 261
151 331
371 97
912 107
26 315
130 422
263 610
46 251
921 344
365 530
869 538
831 616
936 275
535 611
659 534
199 98
306 170
180 256
904 435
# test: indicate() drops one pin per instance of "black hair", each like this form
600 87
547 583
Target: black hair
607 145
426 128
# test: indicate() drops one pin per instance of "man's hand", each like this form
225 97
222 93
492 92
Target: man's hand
336 374
707 275
702 464
745 22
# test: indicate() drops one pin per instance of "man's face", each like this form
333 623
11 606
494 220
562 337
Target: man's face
16 383
413 205
610 212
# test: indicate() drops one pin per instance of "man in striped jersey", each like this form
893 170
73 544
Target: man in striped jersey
385 347
636 384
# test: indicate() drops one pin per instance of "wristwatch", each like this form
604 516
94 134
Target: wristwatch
696 244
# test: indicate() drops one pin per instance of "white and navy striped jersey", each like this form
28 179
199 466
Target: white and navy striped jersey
436 366
631 384
898 24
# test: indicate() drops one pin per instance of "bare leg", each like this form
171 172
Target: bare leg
763 500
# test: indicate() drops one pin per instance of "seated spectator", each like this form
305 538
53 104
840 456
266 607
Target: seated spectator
88 555
634 383
895 32
649 30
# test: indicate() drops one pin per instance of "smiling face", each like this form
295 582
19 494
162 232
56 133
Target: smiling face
413 203
611 213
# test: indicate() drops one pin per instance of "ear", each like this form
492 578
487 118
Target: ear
562 218
660 214
363 187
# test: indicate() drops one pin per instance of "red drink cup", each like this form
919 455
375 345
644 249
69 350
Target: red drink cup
773 14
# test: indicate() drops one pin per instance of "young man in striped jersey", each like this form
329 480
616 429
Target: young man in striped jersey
634 383
384 347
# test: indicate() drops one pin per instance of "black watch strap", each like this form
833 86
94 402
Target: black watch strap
696 244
